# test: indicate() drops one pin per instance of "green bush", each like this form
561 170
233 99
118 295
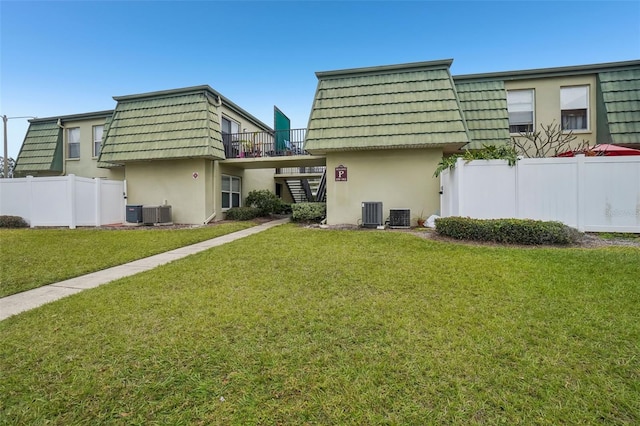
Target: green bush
266 202
242 213
510 231
13 222
308 212
283 208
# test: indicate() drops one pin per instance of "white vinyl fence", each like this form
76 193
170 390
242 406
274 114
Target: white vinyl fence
63 201
594 194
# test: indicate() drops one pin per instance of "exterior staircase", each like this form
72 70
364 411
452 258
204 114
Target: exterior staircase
307 189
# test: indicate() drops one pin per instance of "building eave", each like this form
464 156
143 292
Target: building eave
549 72
412 66
196 89
74 117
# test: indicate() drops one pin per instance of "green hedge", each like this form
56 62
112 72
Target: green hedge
13 222
267 202
308 212
510 231
242 213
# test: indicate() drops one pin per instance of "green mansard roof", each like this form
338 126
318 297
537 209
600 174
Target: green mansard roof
484 104
620 96
181 123
399 106
42 148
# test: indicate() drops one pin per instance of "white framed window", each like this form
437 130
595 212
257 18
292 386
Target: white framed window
73 142
230 126
574 107
230 129
231 191
520 105
97 139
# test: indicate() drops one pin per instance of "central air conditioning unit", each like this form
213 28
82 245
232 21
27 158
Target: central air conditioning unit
372 214
399 218
152 215
134 213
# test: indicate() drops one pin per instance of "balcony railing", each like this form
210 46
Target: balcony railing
264 144
300 170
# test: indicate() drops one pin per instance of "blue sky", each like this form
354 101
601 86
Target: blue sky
59 58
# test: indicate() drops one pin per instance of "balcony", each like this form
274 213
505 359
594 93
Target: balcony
264 144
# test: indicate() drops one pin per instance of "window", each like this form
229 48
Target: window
229 126
73 140
230 191
97 139
574 105
520 107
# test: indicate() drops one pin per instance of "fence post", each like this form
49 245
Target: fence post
71 196
460 163
30 192
98 200
581 190
445 208
516 196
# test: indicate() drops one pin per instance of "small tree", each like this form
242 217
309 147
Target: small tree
11 165
488 152
550 141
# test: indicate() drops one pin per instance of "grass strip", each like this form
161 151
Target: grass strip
31 258
301 326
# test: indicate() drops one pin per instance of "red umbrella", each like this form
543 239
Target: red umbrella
614 150
604 149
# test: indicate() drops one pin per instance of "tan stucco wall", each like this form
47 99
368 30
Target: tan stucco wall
87 164
285 195
398 178
256 179
244 123
251 179
156 182
547 101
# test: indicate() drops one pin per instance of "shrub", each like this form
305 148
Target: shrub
308 212
510 231
242 213
283 208
265 201
13 222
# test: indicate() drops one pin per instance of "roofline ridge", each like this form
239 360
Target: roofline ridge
81 116
196 89
549 72
168 92
438 64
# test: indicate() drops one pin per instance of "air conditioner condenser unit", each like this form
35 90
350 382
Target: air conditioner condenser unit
372 214
399 218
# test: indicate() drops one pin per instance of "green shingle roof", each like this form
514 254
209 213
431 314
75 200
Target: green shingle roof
181 123
104 164
621 96
484 104
399 106
42 149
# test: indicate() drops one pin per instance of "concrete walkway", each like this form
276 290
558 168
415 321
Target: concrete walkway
30 299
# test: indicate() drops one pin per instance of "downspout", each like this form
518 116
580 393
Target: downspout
216 166
210 218
124 198
64 159
215 194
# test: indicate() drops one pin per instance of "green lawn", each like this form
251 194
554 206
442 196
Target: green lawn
303 326
31 258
